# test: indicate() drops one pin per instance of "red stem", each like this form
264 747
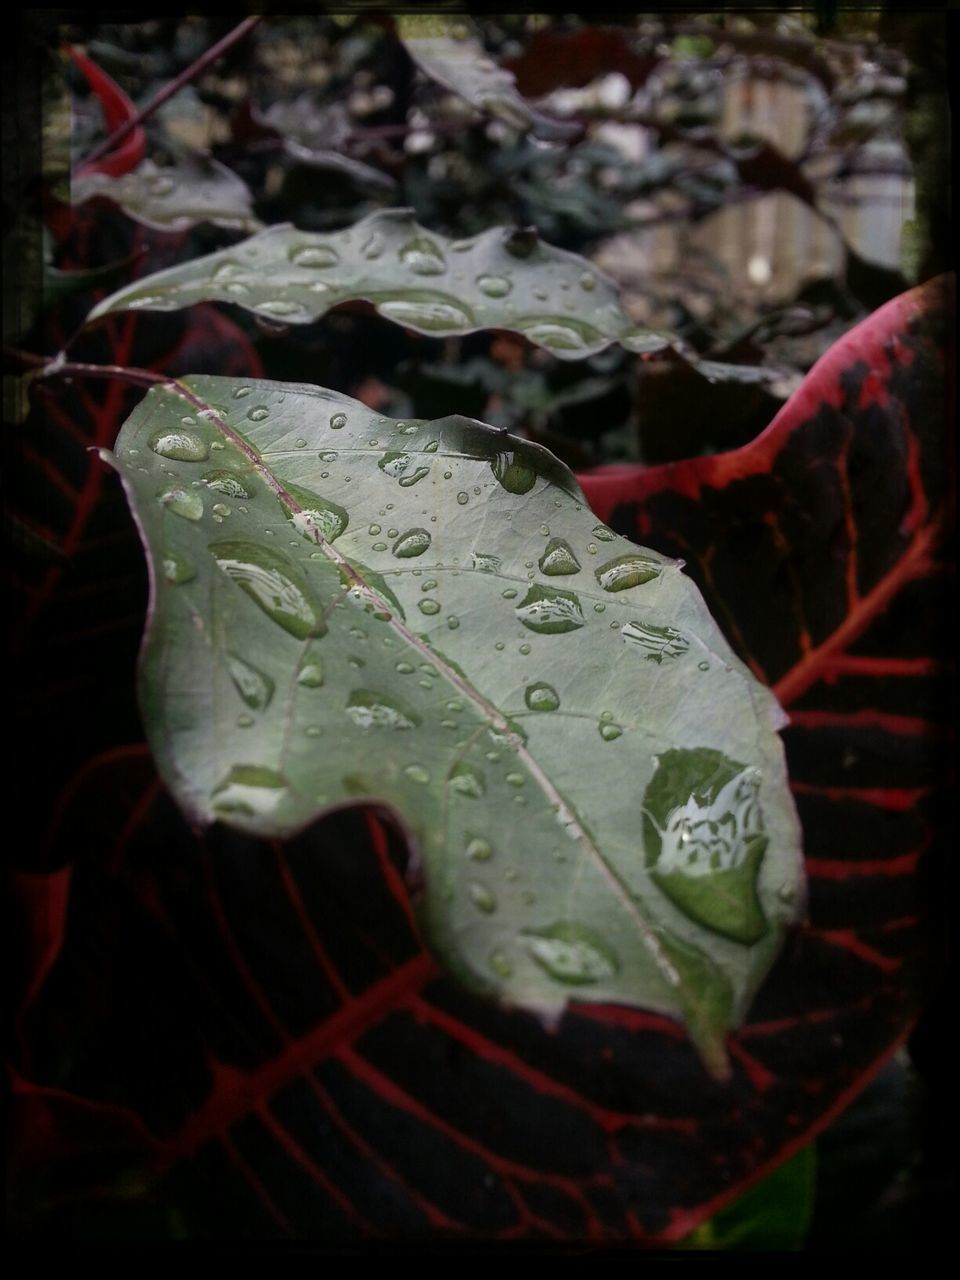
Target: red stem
175 85
71 369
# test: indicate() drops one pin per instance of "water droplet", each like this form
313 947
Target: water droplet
483 899
229 483
704 839
500 964
310 675
494 286
463 498
253 686
603 534
379 546
657 642
560 334
251 789
244 721
273 582
514 473
338 421
181 445
571 953
433 315
558 559
610 732
182 502
626 571
541 697
509 593
412 543
429 607
373 246
486 563
431 446
176 571
259 413
524 649
417 773
703 666
429 585
241 393
221 509
423 257
314 255
300 443
281 307
379 710
405 668
161 185
587 281
453 623
467 780
549 611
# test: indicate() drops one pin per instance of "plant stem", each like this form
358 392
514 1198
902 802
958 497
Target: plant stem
175 85
136 377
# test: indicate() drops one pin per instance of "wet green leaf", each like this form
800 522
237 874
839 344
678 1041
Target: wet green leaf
592 780
505 278
195 189
448 49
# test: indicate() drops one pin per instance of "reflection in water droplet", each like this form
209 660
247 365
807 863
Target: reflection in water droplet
253 686
657 642
486 563
415 476
429 607
509 593
368 709
587 281
221 509
176 571
405 668
259 413
610 732
549 611
561 334
514 472
704 839
227 482
558 559
423 257
241 393
281 307
317 518
483 898
524 649
417 773
626 571
273 582
467 780
703 666
314 255
516 779
603 534
181 445
182 502
434 315
310 675
250 789
338 421
494 286
541 697
463 498
571 953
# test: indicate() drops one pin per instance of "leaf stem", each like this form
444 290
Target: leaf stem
175 85
58 368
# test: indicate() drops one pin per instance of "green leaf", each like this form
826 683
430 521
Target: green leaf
505 278
448 49
195 189
427 615
773 1216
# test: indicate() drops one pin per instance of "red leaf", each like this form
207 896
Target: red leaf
117 110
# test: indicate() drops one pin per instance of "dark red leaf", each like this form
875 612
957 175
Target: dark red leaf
570 59
117 110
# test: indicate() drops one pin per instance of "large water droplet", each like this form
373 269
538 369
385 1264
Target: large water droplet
603 534
549 611
259 413
704 839
610 732
435 316
314 255
560 335
571 953
253 686
338 421
626 571
417 773
228 482
478 849
467 780
183 502
429 607
423 257
412 543
368 709
541 697
273 582
486 563
657 642
310 675
318 515
514 472
482 897
282 307
181 445
558 559
494 286
176 570
250 789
